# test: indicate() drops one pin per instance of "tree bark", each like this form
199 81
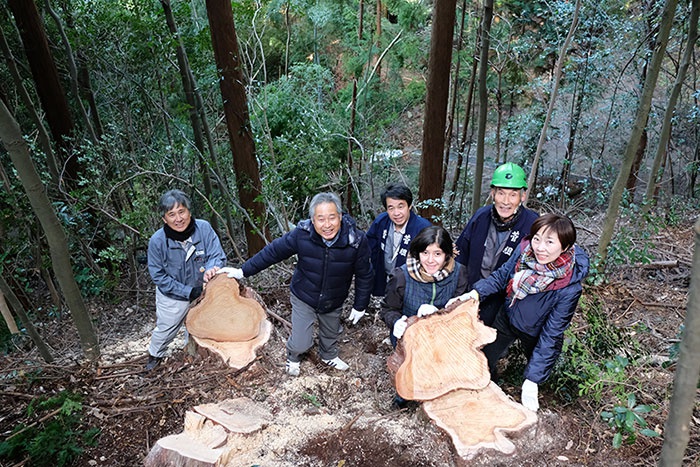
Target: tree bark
41 346
430 179
48 84
483 103
665 136
188 86
11 137
685 381
637 130
44 139
231 82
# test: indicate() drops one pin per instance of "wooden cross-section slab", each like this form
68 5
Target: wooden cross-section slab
478 419
223 315
229 322
441 352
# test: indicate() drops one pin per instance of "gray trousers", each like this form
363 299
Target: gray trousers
170 315
302 337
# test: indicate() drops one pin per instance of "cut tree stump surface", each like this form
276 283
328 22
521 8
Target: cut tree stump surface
239 415
441 352
478 419
228 322
223 315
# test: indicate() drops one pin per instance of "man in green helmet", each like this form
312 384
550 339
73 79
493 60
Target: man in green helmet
494 232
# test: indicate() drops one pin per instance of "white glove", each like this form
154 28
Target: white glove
231 272
529 395
355 316
426 309
400 327
471 295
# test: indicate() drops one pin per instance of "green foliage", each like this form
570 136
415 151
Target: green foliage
628 421
56 438
591 362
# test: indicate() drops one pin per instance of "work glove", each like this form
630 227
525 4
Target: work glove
195 293
355 316
529 395
231 272
426 309
400 327
471 295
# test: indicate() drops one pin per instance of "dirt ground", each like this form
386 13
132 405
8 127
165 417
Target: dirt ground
330 418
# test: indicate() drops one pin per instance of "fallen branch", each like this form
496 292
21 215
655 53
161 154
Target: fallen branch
31 425
658 264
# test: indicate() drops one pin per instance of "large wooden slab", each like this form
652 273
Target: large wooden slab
441 352
229 321
479 419
221 314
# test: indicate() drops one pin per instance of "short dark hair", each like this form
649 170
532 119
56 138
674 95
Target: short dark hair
397 191
561 225
428 236
172 198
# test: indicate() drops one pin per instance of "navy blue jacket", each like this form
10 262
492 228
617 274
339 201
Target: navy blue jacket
471 242
544 315
323 274
376 235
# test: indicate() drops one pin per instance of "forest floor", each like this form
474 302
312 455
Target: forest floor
329 418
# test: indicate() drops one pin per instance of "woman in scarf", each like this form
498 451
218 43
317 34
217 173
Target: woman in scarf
543 284
428 280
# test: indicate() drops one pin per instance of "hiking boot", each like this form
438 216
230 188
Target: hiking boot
293 368
337 363
152 362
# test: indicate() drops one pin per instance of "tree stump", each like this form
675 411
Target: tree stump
439 361
229 320
212 435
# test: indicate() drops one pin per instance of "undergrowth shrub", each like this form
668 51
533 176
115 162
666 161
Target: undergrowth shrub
56 437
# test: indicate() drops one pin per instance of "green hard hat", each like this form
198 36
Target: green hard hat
509 175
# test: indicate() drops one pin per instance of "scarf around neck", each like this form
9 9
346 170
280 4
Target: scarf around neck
532 277
500 224
416 271
180 236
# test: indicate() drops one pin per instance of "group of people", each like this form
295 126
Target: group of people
525 270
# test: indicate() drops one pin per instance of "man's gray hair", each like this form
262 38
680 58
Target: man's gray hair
172 198
324 198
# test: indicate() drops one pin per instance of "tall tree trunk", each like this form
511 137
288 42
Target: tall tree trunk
48 84
577 109
188 86
485 43
685 381
44 139
11 137
378 39
231 82
552 97
430 179
360 21
637 130
665 136
41 346
468 106
453 99
351 140
73 70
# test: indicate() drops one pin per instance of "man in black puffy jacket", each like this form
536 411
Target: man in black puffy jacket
330 250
